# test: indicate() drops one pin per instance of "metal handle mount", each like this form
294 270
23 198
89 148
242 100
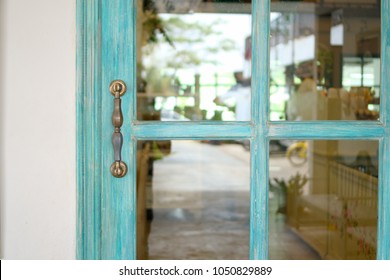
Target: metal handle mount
118 168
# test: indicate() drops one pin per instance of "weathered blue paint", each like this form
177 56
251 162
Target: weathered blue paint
259 146
383 245
383 241
89 129
385 60
259 198
118 195
106 205
193 130
326 130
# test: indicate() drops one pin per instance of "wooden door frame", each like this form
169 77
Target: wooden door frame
106 206
88 111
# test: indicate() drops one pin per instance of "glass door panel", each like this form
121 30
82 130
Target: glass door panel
193 60
323 64
323 200
325 60
193 199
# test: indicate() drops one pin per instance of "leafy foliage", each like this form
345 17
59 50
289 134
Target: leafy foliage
294 185
191 43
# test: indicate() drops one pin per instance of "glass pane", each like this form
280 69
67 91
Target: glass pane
323 199
193 199
325 60
193 60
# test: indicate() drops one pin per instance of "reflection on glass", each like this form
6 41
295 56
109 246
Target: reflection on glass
193 60
323 200
325 60
193 200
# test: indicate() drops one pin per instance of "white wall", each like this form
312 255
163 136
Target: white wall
37 129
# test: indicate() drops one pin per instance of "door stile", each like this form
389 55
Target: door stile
118 194
88 114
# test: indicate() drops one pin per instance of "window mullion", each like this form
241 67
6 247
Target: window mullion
259 147
383 245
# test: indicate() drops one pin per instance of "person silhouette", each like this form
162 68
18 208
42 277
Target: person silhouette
241 93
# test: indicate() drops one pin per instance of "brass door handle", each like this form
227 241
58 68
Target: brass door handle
118 168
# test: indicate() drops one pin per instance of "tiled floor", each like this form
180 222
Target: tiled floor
201 206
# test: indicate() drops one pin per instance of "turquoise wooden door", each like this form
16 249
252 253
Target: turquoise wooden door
106 209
